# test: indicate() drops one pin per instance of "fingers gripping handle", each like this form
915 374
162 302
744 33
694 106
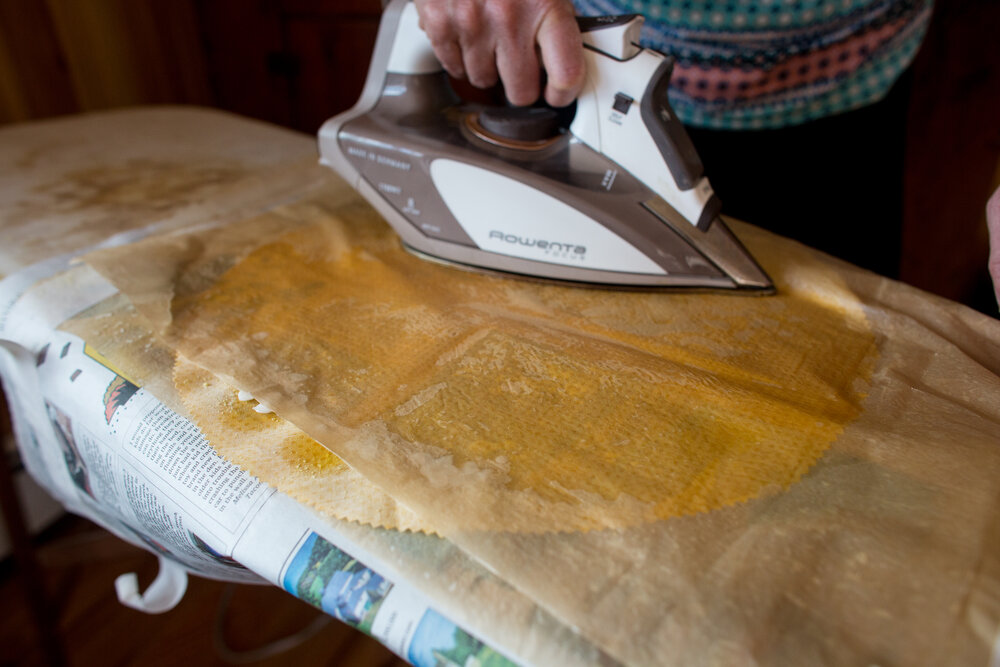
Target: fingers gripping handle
411 50
651 144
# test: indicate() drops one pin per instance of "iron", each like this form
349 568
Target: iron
617 198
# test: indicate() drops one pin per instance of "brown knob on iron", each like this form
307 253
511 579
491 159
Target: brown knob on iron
527 124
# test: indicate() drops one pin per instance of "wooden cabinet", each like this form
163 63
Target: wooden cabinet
66 56
293 62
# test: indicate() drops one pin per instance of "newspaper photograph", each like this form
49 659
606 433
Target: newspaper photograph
332 580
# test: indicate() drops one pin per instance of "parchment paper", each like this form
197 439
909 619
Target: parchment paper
273 449
70 183
265 445
462 589
526 407
878 545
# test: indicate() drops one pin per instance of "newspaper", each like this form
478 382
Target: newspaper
140 466
112 452
288 546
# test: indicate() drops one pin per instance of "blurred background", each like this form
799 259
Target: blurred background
295 63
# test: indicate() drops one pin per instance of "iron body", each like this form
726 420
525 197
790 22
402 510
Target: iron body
616 199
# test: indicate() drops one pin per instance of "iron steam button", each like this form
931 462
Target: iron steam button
520 123
622 103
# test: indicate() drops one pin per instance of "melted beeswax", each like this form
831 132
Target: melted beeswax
574 408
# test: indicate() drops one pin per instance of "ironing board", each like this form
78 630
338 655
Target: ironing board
878 546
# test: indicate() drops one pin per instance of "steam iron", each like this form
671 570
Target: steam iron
618 199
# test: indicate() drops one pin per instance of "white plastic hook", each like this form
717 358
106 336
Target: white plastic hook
162 595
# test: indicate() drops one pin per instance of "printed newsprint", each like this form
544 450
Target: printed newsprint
110 451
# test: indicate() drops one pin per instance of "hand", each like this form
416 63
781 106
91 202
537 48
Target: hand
483 40
993 223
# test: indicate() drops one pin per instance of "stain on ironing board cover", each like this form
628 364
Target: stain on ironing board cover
496 404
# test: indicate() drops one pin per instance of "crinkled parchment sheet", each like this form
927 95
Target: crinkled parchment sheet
275 450
265 445
827 458
310 473
511 405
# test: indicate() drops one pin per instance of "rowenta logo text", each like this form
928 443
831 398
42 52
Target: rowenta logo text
549 247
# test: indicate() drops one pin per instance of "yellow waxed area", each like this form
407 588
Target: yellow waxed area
593 408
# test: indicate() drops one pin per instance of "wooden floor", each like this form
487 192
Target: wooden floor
78 565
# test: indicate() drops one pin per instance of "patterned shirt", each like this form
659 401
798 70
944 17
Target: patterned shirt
753 64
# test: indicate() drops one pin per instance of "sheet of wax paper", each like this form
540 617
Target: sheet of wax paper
263 444
805 477
568 409
287 459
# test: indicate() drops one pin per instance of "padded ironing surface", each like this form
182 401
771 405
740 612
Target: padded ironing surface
692 476
534 407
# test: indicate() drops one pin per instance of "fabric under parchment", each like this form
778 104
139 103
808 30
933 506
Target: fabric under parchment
275 451
496 404
266 446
